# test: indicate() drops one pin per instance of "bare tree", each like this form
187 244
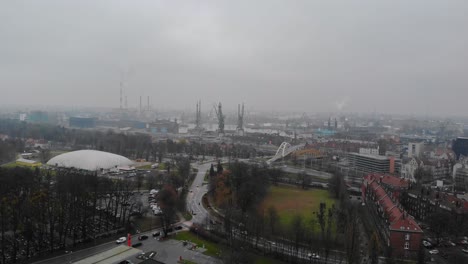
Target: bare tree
297 228
352 238
273 219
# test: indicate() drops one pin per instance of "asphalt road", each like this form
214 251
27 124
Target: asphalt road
78 255
168 251
196 192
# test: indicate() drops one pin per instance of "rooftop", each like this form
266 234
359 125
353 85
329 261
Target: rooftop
379 157
111 256
398 219
90 160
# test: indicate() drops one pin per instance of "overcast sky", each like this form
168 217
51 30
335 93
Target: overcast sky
407 56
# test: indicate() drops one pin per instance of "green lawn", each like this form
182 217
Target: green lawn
187 216
212 249
145 167
290 201
20 164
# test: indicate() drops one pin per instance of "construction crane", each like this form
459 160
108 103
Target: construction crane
240 120
198 116
219 114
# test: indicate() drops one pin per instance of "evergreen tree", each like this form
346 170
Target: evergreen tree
212 171
220 167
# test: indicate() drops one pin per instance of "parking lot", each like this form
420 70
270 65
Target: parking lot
446 250
168 250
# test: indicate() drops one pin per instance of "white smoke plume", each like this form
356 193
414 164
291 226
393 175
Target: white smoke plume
340 104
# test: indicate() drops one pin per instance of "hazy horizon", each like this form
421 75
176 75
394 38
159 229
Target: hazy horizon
403 57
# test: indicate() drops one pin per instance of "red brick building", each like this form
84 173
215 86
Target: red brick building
398 231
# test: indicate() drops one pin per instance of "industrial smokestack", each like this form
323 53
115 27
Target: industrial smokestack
121 95
140 103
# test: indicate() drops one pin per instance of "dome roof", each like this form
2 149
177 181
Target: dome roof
90 160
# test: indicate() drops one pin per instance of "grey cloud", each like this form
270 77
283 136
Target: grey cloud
392 56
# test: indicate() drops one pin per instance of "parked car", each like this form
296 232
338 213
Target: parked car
313 256
155 234
178 228
447 243
434 251
465 250
142 237
137 244
125 262
427 244
121 240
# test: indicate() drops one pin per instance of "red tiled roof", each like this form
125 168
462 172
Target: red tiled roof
394 214
405 223
388 180
465 206
395 181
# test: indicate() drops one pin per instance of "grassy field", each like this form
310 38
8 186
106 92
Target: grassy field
212 249
289 201
187 216
145 167
20 164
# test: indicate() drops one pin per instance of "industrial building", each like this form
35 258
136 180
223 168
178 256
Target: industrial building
82 122
460 147
375 163
163 127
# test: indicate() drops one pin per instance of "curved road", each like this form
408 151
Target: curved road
196 192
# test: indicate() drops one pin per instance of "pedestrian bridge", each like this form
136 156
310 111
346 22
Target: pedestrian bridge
284 150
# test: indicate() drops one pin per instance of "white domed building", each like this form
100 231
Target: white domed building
90 160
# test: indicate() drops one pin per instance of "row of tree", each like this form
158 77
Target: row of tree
46 210
137 145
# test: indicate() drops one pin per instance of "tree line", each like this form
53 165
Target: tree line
137 145
43 211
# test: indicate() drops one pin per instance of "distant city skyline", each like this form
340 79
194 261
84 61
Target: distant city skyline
401 57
